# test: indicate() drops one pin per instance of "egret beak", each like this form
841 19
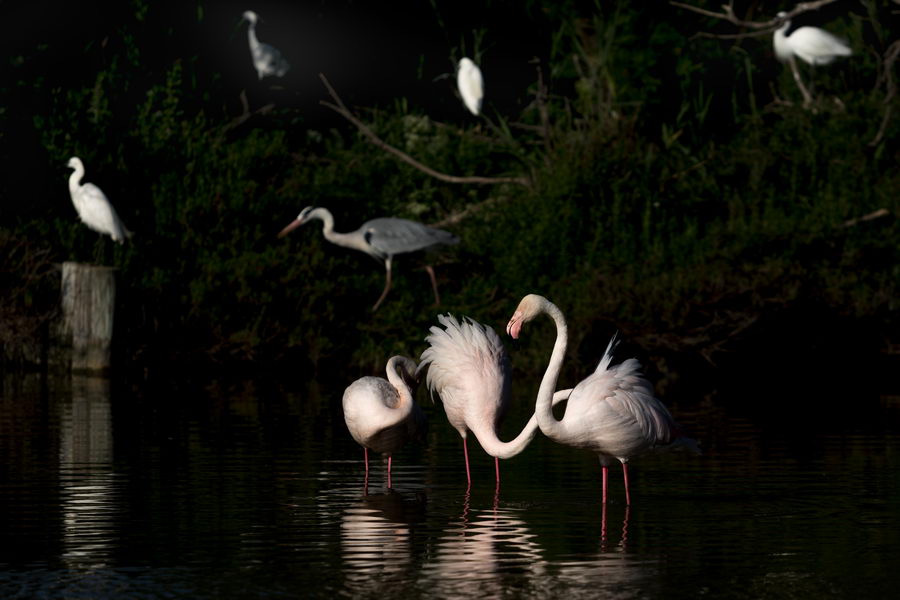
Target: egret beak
291 226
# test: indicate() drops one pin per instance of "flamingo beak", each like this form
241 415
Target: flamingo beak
515 325
291 226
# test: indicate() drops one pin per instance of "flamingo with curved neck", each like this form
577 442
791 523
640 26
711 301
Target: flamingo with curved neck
469 369
381 414
613 412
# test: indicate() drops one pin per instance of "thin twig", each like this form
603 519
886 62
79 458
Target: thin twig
877 214
339 107
729 15
886 74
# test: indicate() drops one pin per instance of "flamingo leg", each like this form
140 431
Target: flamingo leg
627 494
437 297
387 283
390 458
497 468
466 454
605 470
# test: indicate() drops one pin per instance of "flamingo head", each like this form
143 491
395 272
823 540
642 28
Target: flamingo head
530 307
302 218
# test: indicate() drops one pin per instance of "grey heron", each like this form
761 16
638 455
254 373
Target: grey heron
381 238
267 60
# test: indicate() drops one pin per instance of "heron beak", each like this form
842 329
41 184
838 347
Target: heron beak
291 226
514 326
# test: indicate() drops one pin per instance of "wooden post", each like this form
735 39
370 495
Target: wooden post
88 303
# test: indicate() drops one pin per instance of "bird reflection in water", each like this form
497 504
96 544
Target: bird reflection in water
376 540
623 540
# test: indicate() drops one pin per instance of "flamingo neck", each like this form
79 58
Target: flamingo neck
548 423
500 449
396 378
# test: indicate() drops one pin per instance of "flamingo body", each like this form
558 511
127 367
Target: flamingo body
613 412
380 414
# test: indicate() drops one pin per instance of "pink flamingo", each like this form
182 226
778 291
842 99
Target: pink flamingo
612 412
381 414
469 369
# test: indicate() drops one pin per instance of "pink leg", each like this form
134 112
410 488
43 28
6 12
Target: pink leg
466 454
605 470
390 458
627 494
497 468
366 456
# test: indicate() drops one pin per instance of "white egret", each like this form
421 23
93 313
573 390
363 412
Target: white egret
267 60
380 238
612 412
470 84
811 44
92 205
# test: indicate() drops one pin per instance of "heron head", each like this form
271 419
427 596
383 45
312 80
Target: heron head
529 307
74 163
465 63
302 218
249 15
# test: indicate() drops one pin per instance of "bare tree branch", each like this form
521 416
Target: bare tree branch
246 113
729 15
886 75
339 107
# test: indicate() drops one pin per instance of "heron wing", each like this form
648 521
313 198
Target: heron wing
389 236
817 45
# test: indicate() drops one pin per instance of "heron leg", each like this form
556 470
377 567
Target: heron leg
627 493
437 297
389 471
466 454
387 283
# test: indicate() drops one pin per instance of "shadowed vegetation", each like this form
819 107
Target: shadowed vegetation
679 192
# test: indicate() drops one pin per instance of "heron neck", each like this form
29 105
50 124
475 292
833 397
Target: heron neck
251 35
354 239
549 425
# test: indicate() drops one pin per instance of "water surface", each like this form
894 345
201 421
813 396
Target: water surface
249 490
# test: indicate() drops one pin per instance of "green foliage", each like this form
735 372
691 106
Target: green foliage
667 181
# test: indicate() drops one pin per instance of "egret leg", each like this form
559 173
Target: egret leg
387 284
466 454
99 255
807 97
437 297
627 493
389 472
605 471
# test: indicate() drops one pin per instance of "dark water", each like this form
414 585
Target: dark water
245 490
